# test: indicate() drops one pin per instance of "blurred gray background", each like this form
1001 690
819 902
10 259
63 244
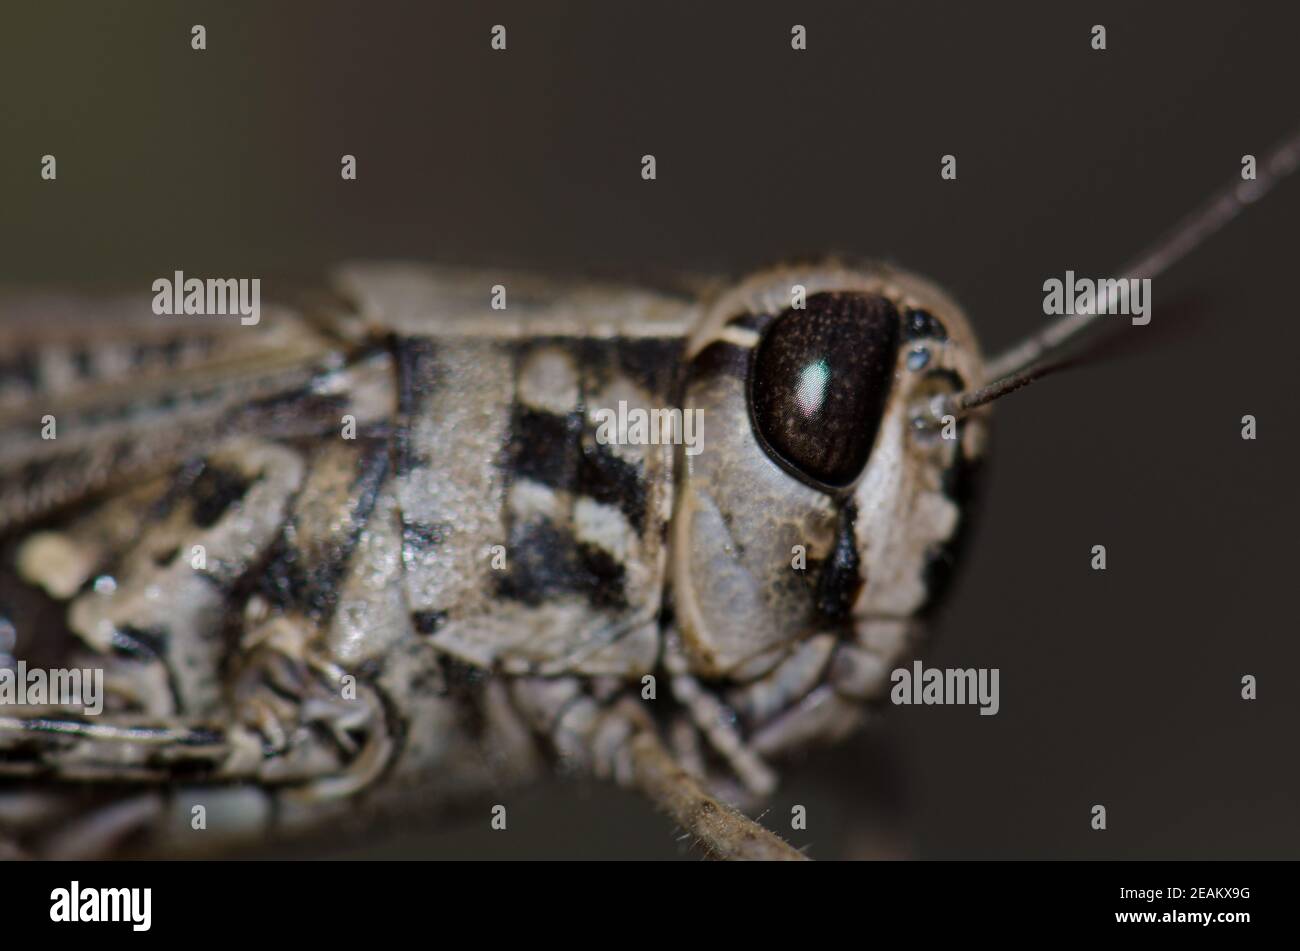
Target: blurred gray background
1118 687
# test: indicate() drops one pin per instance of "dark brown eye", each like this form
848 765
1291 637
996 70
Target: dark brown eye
818 383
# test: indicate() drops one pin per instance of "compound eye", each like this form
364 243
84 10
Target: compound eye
818 384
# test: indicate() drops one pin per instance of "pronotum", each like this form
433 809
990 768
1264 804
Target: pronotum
377 550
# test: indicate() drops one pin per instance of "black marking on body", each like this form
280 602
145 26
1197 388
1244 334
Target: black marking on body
414 358
610 480
279 578
721 358
40 620
294 579
372 471
428 622
560 450
546 561
297 411
463 682
554 450
203 736
458 674
178 488
140 643
839 579
653 364
545 447
215 490
327 570
729 523
164 558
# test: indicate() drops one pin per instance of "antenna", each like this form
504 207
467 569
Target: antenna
1026 361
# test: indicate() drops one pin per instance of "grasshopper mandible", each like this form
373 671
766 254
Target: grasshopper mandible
388 544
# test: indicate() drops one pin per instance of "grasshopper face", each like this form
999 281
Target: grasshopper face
819 502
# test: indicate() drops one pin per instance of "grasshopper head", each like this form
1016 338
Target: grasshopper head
819 498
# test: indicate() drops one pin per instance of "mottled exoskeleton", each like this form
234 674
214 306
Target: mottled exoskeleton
387 547
381 548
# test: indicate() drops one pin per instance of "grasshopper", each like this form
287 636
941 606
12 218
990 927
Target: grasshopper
437 532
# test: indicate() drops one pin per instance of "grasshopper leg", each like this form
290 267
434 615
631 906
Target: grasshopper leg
723 832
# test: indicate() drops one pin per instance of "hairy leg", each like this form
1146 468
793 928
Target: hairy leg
723 832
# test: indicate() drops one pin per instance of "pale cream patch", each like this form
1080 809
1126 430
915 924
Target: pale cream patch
604 526
531 501
607 400
548 380
56 563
